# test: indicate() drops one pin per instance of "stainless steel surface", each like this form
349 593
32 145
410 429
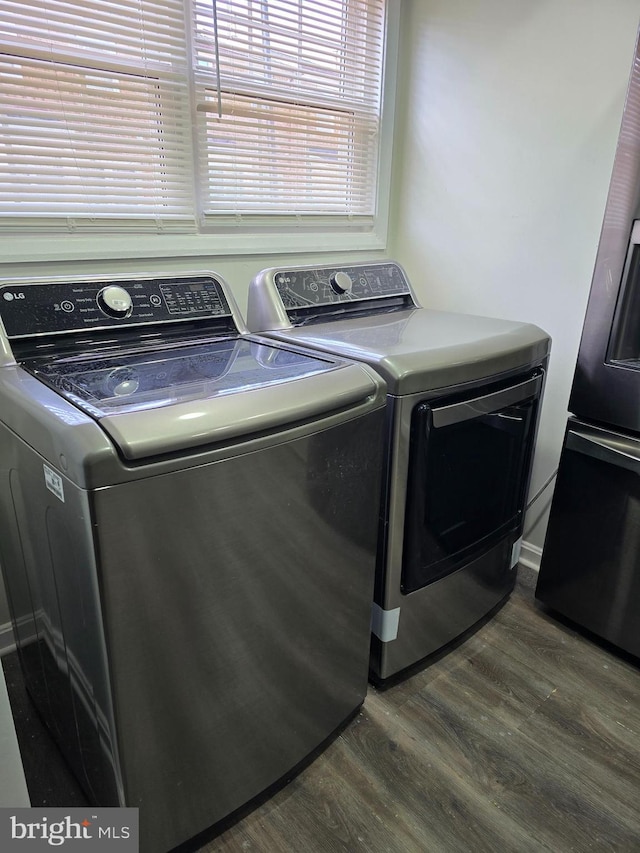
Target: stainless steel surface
224 418
432 617
422 355
48 559
614 448
604 391
590 570
193 624
239 622
231 655
457 412
419 350
68 438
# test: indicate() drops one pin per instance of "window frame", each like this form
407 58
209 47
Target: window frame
251 236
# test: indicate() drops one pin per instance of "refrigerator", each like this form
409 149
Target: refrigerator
590 568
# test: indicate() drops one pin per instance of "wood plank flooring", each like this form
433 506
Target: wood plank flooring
524 738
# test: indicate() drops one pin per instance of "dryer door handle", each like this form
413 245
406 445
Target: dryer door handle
477 407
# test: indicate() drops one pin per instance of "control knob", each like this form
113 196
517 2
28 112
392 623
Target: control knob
114 301
340 282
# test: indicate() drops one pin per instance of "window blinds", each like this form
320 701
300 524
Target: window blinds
98 100
94 113
288 102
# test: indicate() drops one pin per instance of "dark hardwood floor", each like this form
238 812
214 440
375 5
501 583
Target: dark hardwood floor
526 737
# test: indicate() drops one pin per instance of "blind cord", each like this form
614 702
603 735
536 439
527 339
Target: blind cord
214 11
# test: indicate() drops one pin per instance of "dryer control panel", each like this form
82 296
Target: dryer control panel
54 307
311 287
283 298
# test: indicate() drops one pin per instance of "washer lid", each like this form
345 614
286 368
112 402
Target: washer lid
420 349
165 400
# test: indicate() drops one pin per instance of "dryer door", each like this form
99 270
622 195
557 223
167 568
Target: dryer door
469 465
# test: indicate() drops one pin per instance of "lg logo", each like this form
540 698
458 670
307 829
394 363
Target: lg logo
9 297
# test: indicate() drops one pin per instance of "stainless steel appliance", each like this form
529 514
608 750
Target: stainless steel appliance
590 569
188 540
463 400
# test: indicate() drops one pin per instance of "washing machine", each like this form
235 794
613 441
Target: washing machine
464 395
187 559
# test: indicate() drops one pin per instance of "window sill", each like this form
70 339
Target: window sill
15 249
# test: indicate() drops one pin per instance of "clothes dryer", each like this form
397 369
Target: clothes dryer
464 395
187 560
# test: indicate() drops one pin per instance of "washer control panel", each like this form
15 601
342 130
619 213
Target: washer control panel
308 287
37 309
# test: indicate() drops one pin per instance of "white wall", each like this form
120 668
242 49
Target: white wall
506 123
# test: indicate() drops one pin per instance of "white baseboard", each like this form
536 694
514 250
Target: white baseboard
7 640
530 556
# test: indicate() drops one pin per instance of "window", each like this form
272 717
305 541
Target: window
94 114
189 116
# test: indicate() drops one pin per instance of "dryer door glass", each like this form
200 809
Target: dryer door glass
469 467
